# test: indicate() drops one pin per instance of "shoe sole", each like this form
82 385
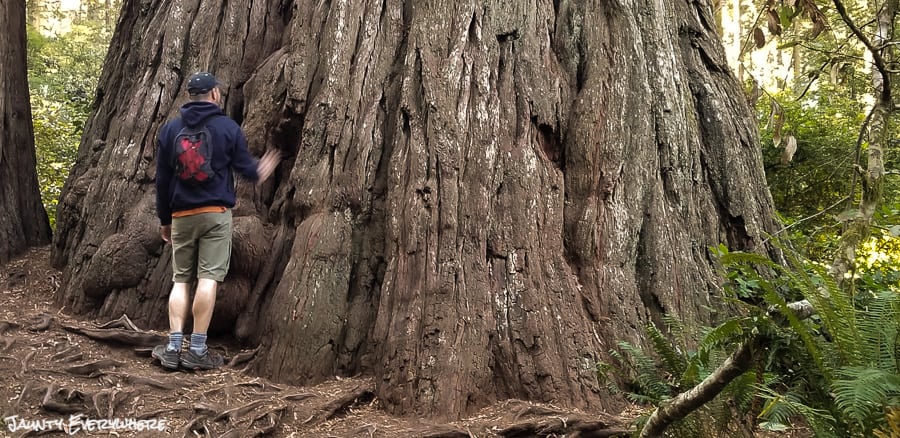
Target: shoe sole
167 365
196 367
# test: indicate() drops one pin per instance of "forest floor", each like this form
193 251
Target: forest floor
59 374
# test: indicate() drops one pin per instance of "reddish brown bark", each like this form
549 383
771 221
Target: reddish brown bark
479 199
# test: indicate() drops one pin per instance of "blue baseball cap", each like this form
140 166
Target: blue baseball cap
202 83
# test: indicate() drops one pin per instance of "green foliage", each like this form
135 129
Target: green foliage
862 394
845 369
62 75
819 174
838 370
678 360
818 113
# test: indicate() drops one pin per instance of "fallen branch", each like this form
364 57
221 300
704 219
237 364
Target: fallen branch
738 363
679 407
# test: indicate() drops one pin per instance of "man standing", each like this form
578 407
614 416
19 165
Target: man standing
194 196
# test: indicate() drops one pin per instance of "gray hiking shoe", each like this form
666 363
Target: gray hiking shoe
206 361
169 359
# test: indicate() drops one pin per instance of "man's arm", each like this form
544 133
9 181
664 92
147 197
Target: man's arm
164 174
242 161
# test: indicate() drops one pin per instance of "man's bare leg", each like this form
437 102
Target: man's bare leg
178 308
204 303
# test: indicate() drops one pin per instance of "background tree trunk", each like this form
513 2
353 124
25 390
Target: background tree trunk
23 221
479 198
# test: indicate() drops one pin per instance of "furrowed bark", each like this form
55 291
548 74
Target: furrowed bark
479 197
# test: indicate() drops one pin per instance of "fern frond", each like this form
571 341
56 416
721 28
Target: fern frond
879 330
730 331
742 390
861 392
644 374
673 360
780 408
676 329
745 258
833 305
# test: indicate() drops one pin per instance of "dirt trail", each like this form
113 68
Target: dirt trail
58 372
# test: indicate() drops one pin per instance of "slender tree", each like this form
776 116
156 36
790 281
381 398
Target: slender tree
479 198
23 221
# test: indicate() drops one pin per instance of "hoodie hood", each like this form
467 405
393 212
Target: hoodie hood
193 113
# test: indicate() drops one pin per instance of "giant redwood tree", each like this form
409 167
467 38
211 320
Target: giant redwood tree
479 197
23 221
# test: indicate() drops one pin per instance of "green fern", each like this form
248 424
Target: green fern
781 408
673 361
852 341
861 393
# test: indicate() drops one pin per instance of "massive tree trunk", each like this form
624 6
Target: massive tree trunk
479 198
23 221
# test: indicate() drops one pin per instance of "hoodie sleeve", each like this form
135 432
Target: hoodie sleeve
164 174
242 161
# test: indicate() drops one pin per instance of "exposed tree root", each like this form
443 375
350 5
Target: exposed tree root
93 368
541 421
70 350
76 377
42 323
25 362
72 401
234 414
339 406
7 325
124 322
231 433
170 384
119 336
8 342
243 358
267 422
299 396
197 427
446 432
561 426
206 409
26 389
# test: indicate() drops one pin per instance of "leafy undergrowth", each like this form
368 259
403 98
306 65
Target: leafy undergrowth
57 371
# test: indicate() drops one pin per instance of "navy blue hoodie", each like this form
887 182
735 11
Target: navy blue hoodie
229 151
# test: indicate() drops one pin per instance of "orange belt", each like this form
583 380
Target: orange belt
198 210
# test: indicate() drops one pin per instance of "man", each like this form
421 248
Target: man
194 196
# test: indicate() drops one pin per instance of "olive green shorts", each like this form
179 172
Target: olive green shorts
201 246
